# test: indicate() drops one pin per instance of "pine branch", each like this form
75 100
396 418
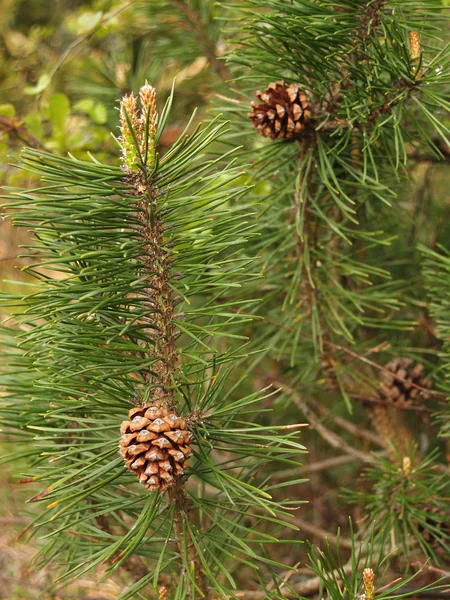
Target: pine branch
105 335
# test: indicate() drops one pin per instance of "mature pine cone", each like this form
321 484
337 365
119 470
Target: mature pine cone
155 446
284 111
402 393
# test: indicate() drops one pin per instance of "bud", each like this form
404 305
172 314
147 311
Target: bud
162 593
150 116
129 120
414 48
138 129
406 466
368 578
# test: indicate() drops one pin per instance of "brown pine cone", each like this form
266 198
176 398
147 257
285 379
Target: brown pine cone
402 393
155 446
284 111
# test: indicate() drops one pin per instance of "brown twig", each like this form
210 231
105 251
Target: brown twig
183 537
323 533
422 566
315 467
329 436
365 360
16 127
369 400
380 368
301 588
55 595
355 430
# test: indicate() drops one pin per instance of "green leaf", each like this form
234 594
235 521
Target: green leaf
7 110
99 113
42 84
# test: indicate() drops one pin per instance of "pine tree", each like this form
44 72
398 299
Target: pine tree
193 305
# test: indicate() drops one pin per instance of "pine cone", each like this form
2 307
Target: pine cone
155 446
283 113
402 393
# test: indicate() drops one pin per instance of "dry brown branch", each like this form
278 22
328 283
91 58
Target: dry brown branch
439 572
315 467
303 588
55 595
16 128
363 359
378 401
334 440
323 533
355 430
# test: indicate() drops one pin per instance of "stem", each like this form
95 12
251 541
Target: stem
161 298
186 546
160 301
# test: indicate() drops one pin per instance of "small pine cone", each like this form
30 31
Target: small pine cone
284 112
155 446
402 393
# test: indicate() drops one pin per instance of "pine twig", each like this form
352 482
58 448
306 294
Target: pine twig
334 440
302 588
138 139
355 430
16 127
183 537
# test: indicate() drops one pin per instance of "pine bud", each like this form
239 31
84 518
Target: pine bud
406 466
414 48
129 121
138 129
369 579
162 593
414 44
150 116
